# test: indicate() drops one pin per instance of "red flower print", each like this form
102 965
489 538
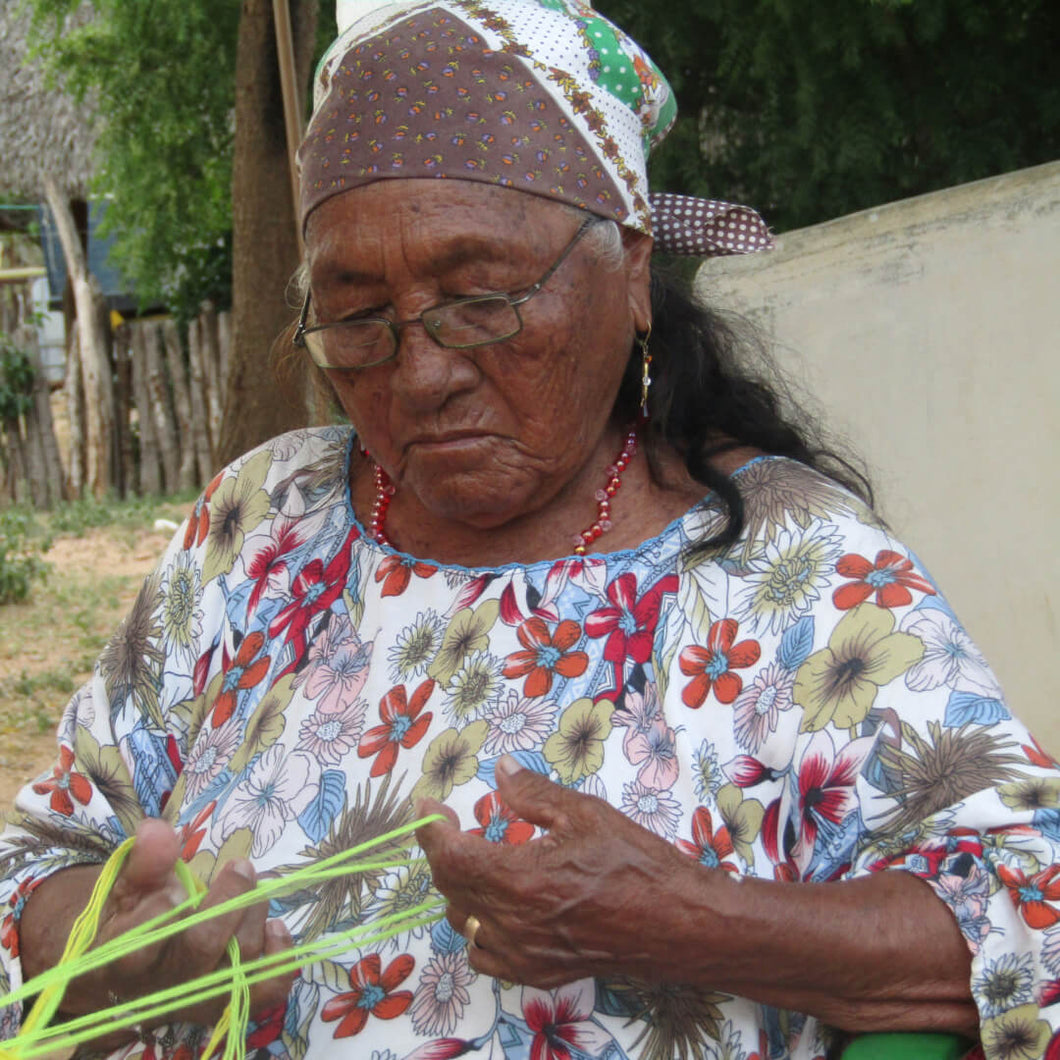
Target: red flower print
561 1022
9 929
64 783
499 824
1037 755
199 522
395 572
712 666
826 789
314 590
193 833
890 577
629 623
268 564
546 653
245 671
708 848
402 725
371 994
1032 894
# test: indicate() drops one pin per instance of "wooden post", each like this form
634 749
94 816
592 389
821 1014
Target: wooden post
187 477
93 346
200 417
292 104
161 406
150 472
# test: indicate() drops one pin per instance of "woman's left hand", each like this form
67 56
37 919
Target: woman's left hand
583 899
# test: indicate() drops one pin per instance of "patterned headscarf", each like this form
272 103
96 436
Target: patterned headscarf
545 96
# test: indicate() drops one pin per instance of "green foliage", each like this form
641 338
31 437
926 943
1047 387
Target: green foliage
160 75
16 380
20 561
811 111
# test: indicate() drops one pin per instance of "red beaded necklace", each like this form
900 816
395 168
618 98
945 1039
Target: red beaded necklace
385 490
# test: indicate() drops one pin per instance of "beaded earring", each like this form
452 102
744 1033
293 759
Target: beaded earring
645 372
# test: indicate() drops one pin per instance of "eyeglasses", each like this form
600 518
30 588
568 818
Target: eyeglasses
460 324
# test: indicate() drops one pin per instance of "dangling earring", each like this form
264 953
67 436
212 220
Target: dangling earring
645 372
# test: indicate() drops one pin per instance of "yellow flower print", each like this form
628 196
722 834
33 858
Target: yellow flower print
838 684
1017 1034
468 632
238 504
577 750
451 760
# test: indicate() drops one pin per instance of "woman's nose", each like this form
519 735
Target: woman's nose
427 374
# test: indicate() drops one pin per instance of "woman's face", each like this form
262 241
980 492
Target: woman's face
483 435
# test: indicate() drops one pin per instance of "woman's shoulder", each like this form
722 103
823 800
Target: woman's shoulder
307 450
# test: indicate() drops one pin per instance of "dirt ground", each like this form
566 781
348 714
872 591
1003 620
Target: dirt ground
99 575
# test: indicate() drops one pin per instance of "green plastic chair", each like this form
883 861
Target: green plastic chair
907 1045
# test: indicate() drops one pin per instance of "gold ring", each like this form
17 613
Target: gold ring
471 929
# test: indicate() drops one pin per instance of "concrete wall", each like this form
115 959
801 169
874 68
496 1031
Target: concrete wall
928 331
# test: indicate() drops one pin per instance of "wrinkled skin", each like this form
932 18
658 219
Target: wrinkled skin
597 895
146 887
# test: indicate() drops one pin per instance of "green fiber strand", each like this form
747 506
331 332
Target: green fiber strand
235 979
129 1014
82 935
165 925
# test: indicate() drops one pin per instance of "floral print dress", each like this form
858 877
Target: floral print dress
802 706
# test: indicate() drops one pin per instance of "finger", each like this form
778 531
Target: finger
201 947
149 866
272 993
530 795
438 833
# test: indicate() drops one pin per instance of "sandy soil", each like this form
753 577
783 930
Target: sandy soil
99 554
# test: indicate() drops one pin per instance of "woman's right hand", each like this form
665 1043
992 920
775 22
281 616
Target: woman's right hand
147 886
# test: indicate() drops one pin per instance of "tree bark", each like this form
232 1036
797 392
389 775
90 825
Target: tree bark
161 407
265 248
93 346
150 471
187 477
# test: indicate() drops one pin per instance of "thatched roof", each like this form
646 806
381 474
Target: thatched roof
42 130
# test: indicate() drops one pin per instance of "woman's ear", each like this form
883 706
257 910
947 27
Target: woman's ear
638 246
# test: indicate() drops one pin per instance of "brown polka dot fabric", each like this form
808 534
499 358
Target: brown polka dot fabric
543 96
428 98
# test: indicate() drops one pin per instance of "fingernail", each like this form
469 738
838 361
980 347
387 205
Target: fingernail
507 766
244 870
276 930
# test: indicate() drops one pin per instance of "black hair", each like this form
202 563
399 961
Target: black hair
706 399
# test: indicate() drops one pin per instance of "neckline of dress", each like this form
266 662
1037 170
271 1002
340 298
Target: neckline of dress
618 556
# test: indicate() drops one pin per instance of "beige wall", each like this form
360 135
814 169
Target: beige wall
929 333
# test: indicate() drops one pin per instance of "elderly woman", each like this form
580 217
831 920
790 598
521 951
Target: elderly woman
572 581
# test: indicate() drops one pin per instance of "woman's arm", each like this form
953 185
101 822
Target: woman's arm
598 895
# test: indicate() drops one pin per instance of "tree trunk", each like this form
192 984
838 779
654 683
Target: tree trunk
161 407
93 346
265 247
75 415
187 478
200 418
150 471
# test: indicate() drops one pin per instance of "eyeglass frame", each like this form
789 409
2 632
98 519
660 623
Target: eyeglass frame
515 299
